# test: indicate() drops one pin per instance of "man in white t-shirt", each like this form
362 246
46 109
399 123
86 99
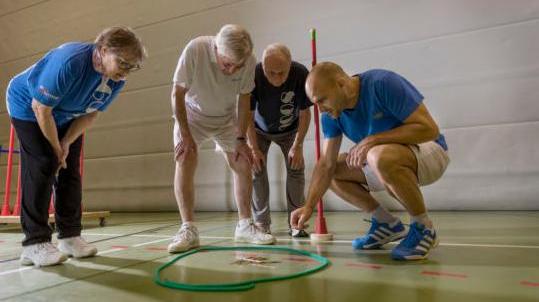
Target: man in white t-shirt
211 101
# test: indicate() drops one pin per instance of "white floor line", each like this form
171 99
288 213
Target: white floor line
151 242
20 269
109 251
331 241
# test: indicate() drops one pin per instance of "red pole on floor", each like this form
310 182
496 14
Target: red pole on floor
320 228
5 208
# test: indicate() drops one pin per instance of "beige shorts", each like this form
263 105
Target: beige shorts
204 129
432 160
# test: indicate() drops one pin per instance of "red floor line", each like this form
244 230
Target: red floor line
444 274
120 247
364 265
529 283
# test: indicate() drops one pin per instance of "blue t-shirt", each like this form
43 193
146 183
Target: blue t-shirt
64 79
385 101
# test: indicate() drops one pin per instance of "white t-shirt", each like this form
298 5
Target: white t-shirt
211 95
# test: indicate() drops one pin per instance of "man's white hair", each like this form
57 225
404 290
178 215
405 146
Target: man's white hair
234 42
277 49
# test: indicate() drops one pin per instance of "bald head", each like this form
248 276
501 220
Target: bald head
329 87
325 74
276 61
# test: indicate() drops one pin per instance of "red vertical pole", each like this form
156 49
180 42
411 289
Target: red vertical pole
5 208
320 227
51 204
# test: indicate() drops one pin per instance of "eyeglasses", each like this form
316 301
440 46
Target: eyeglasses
228 64
126 66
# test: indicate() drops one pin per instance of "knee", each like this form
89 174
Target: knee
47 166
334 185
340 167
188 158
383 161
241 166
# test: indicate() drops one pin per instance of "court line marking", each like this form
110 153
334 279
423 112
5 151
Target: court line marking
330 241
165 238
20 269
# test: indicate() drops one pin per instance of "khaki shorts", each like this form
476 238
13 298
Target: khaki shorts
432 160
205 128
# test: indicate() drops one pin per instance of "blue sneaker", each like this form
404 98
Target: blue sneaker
417 244
379 234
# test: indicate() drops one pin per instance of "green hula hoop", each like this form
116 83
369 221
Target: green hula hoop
237 286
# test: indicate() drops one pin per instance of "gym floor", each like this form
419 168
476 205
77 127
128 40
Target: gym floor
483 256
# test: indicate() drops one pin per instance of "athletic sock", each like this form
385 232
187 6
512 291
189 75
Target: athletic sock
382 215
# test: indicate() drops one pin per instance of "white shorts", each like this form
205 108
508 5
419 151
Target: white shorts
205 128
432 160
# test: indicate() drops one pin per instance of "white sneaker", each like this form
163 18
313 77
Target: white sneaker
76 247
184 240
247 232
41 254
264 228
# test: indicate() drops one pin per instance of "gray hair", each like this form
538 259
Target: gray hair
121 38
234 41
277 49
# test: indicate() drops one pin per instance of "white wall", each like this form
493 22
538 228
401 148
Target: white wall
476 62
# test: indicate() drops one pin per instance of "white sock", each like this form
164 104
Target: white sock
382 215
245 222
188 224
423 219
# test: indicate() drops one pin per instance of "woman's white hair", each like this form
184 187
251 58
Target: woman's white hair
234 42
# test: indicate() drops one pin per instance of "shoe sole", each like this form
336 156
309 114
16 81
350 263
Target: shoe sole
394 237
27 262
93 253
176 251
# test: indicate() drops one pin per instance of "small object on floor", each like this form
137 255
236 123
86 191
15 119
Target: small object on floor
295 233
41 254
249 256
76 247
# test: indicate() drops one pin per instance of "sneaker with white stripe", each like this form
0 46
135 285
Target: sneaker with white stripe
379 234
417 245
247 232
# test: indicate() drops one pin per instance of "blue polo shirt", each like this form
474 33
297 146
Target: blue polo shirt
385 101
64 79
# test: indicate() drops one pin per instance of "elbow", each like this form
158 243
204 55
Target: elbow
39 110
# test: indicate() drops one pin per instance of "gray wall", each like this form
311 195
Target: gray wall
476 62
